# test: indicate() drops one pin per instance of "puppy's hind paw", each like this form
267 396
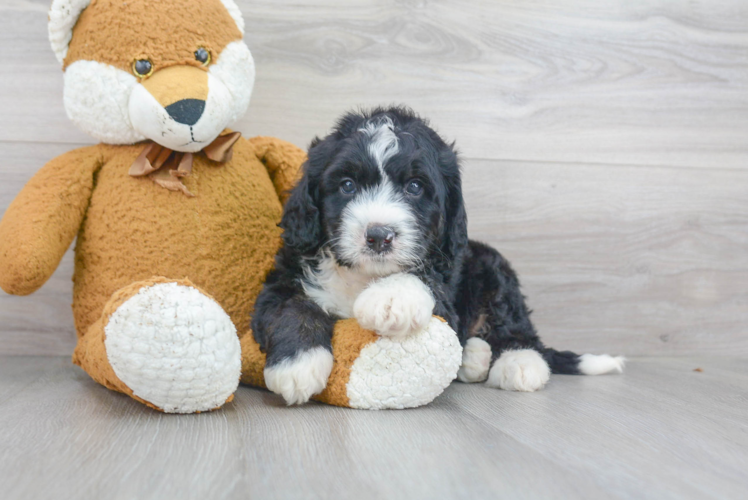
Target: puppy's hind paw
522 370
476 360
299 378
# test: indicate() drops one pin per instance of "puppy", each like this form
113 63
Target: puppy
376 230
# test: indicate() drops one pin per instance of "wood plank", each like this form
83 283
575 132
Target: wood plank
634 260
608 82
658 431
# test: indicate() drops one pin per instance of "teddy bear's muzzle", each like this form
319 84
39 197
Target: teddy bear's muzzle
182 108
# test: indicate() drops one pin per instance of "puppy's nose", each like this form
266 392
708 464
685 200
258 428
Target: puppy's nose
379 238
186 111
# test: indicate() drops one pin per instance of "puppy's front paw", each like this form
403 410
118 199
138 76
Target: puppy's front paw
299 378
521 370
395 306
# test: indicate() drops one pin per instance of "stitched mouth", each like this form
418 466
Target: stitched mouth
192 139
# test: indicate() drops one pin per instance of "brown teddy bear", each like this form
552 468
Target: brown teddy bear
176 217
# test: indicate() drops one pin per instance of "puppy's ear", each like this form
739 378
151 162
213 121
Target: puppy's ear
302 228
454 236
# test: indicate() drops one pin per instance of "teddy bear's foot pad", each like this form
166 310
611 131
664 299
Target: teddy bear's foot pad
405 373
175 348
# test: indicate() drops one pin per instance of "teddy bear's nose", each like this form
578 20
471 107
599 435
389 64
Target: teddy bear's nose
186 111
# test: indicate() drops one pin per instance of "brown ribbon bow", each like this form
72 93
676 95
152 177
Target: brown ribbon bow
166 167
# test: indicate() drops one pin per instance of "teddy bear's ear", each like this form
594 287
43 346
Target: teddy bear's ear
62 18
65 13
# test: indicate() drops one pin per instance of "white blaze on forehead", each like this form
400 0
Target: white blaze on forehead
383 143
380 205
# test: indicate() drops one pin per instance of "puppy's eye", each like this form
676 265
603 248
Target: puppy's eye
347 186
142 67
202 55
414 188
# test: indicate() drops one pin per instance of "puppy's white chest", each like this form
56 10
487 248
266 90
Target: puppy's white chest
334 288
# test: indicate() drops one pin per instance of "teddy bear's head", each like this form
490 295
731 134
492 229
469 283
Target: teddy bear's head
173 71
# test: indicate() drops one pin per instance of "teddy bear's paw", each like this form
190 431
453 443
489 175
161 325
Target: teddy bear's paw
521 370
405 373
175 348
476 360
299 378
395 306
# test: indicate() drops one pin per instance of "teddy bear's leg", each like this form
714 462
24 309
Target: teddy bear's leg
373 372
166 344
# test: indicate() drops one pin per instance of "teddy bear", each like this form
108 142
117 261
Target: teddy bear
175 217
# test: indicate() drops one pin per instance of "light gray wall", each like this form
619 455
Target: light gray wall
604 143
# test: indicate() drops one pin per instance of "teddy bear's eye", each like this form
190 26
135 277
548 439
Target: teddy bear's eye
142 67
203 56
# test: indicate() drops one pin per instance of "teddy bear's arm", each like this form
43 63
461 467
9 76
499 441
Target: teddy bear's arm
42 221
283 161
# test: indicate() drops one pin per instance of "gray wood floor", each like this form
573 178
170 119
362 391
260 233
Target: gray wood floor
660 431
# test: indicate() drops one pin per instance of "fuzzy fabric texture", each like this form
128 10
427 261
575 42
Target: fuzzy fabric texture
174 347
376 373
224 239
348 340
63 14
167 32
96 98
235 69
405 372
92 355
53 202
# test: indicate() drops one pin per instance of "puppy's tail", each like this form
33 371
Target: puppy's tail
570 363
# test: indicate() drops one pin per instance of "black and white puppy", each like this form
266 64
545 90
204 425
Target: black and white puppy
376 230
